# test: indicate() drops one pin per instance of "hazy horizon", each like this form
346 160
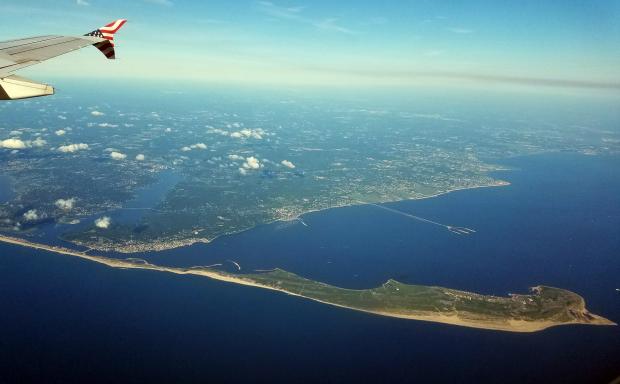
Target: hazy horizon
532 44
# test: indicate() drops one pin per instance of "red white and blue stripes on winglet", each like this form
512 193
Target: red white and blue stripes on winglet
107 32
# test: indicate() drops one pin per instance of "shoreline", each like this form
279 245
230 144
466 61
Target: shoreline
510 325
171 244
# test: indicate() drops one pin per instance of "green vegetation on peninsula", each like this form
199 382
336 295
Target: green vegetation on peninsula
543 308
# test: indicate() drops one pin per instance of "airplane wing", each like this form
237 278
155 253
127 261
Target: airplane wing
17 54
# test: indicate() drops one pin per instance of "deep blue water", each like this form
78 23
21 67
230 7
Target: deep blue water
558 224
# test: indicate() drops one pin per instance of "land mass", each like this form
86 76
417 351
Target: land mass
545 307
115 238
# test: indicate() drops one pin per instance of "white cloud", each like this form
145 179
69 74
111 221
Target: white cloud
15 133
247 133
243 171
13 144
194 146
103 222
61 117
60 132
108 125
38 142
288 164
82 2
251 163
331 24
140 157
65 204
118 156
296 14
272 9
21 144
97 113
235 157
31 215
218 131
70 148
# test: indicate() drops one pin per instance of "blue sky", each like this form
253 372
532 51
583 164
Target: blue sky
337 42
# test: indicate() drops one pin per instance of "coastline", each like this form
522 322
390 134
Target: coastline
509 325
170 244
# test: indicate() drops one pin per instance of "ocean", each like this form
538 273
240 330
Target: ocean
69 320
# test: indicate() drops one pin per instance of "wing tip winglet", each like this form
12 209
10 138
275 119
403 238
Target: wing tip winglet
107 33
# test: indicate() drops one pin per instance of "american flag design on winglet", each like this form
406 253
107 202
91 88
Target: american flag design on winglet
107 32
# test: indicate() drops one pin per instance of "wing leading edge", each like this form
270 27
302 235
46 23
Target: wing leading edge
17 54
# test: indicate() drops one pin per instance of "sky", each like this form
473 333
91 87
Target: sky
321 42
